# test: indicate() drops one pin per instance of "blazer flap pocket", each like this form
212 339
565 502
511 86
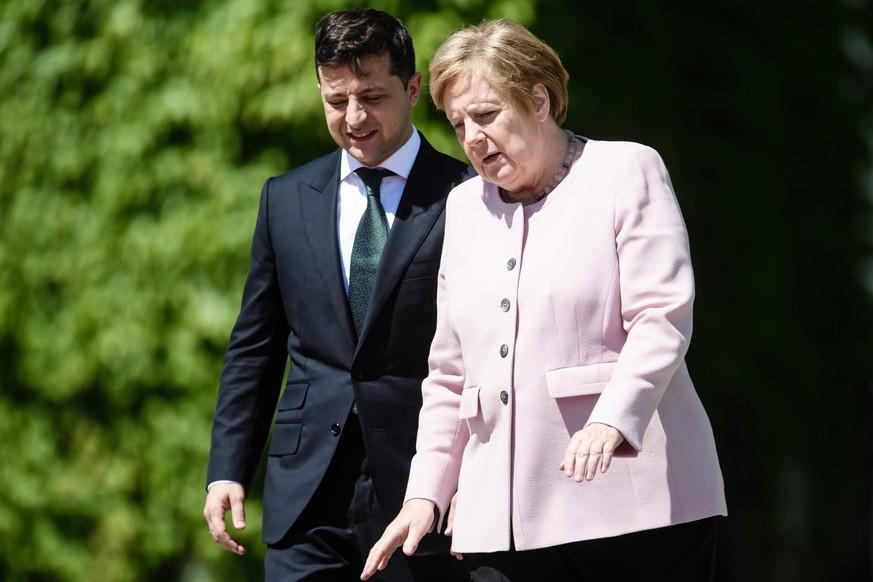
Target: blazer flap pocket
286 439
419 268
294 396
579 380
469 403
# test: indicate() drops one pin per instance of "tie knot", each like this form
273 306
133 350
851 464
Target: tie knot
372 178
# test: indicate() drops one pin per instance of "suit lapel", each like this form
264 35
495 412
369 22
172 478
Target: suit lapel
318 200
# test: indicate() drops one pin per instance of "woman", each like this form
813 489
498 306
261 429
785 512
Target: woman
558 404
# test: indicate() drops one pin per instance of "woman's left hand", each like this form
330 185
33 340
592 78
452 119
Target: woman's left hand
590 449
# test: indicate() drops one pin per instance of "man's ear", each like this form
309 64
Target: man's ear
414 88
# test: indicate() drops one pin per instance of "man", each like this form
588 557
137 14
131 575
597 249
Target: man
355 318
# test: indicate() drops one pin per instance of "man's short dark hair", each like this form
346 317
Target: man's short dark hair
347 37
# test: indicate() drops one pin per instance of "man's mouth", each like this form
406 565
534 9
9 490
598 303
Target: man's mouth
361 134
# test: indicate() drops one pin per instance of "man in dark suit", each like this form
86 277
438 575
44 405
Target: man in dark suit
342 282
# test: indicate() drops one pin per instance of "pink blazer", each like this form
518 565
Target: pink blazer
573 310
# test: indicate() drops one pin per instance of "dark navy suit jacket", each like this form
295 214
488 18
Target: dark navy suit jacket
294 305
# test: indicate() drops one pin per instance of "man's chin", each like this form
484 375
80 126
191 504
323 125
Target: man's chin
366 156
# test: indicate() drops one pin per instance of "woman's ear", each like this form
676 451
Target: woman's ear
542 103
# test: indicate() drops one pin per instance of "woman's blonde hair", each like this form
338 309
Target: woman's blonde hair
509 55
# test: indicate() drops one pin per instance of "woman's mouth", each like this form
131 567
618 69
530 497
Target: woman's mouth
490 158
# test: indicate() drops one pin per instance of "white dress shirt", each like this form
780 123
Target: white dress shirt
352 200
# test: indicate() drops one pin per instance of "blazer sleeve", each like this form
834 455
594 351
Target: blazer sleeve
656 286
442 436
253 367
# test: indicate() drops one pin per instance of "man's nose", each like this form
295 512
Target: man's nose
356 113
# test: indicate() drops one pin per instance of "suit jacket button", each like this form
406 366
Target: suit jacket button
504 305
504 396
504 350
510 264
335 429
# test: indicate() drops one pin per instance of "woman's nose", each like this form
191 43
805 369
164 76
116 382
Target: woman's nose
472 134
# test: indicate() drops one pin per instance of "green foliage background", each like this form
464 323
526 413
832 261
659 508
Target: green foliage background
135 135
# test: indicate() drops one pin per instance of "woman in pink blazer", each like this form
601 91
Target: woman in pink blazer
558 405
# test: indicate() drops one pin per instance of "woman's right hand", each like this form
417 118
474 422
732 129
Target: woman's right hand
411 524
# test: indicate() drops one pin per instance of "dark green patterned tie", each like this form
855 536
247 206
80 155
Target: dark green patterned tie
369 242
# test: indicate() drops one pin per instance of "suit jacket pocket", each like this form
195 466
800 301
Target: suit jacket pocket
579 380
294 396
469 407
421 268
286 439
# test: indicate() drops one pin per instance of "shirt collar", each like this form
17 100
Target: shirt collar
400 162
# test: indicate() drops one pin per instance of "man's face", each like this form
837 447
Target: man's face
368 116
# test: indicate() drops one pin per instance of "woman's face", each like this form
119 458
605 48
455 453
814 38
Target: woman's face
501 138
